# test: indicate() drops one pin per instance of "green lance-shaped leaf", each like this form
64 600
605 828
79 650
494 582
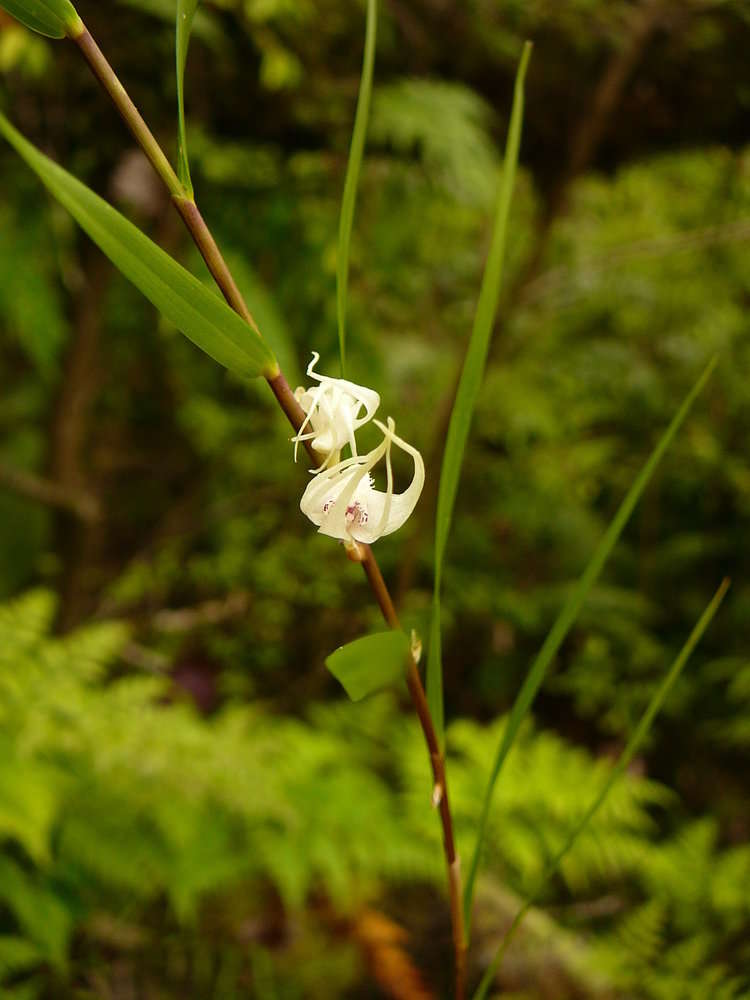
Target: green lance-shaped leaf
565 621
633 744
370 663
185 14
53 18
198 313
468 389
352 176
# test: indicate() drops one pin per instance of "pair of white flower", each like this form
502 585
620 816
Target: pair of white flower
341 498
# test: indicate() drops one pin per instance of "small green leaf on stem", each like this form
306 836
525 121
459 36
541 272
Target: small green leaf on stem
468 388
185 14
370 663
634 743
53 18
566 619
198 313
352 175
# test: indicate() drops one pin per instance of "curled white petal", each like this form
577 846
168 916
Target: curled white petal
334 411
344 504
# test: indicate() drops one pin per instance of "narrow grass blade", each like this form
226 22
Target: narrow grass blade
468 388
566 619
352 175
635 741
197 312
53 18
185 14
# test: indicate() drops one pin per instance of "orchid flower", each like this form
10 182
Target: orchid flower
334 412
344 504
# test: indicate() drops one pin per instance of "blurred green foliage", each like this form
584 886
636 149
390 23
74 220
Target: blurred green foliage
186 806
117 795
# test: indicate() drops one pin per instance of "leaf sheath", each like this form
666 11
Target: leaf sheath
468 388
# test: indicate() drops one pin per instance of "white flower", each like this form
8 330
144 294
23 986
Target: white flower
334 412
344 504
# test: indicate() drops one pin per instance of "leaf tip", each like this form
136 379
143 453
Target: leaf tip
528 45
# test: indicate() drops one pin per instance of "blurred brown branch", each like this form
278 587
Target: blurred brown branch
70 433
208 613
50 493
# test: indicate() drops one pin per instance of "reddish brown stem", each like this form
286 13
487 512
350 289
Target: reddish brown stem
128 111
205 242
291 407
437 761
203 238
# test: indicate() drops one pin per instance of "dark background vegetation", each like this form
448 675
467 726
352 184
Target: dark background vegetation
188 806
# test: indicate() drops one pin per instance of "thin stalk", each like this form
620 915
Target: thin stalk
437 762
294 412
128 111
203 239
352 176
219 269
181 197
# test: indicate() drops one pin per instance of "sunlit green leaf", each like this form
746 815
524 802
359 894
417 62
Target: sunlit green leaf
468 389
18 953
352 175
28 803
37 908
185 14
202 316
566 619
634 743
370 663
54 18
